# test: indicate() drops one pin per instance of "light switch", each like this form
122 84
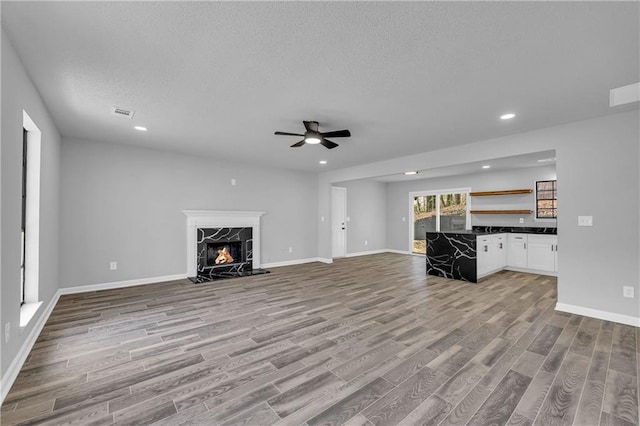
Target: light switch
585 220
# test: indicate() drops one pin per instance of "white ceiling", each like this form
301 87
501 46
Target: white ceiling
534 159
218 79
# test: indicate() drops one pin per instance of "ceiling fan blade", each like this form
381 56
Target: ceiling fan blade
311 126
337 134
287 134
298 144
328 144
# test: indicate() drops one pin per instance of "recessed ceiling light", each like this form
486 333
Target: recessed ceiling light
142 129
323 161
486 166
410 173
507 116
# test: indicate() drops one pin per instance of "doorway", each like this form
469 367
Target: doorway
338 221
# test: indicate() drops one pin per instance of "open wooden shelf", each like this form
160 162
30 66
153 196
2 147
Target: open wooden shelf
501 211
505 192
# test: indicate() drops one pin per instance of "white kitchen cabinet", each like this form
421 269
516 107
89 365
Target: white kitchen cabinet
483 262
499 245
542 252
491 254
517 250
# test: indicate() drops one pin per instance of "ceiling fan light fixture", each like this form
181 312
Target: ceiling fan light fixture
313 140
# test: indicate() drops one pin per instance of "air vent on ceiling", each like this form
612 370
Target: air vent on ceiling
122 112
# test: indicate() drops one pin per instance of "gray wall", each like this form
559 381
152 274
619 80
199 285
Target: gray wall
398 202
124 204
367 213
598 163
595 158
18 94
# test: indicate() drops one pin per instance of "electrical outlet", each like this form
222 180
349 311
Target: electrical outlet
233 182
366 242
321 218
404 219
585 220
7 332
290 249
628 292
522 220
113 266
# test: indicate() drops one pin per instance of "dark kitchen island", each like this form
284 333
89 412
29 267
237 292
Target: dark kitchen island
453 255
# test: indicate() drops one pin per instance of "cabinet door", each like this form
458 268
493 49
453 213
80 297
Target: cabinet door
541 252
499 252
517 250
483 262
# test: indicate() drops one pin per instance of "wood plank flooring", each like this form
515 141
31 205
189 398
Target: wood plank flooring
368 340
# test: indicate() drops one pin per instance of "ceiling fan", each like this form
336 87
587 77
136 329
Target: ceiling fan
314 136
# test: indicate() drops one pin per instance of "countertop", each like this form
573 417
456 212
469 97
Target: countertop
487 230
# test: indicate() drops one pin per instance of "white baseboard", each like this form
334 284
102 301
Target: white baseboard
324 260
294 262
595 313
366 253
121 284
16 365
402 252
531 271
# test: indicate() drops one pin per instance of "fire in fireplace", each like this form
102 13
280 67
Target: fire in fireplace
220 253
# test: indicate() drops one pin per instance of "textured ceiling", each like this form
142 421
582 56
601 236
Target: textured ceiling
218 79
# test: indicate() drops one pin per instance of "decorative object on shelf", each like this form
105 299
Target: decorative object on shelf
504 192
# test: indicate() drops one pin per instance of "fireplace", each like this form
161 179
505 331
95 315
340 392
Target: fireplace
231 237
224 251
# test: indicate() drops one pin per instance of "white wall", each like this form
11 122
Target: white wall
398 201
124 204
595 158
18 94
367 213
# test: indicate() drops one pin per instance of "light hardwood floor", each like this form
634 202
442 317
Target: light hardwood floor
366 340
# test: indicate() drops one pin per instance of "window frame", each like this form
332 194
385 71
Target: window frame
437 194
554 199
23 218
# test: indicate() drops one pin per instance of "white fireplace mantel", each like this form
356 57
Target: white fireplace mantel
220 219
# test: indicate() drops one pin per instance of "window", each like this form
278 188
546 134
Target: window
438 211
23 221
546 199
30 220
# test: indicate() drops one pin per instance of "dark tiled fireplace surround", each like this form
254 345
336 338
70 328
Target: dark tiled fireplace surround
238 241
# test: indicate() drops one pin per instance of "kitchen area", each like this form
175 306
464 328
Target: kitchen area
469 253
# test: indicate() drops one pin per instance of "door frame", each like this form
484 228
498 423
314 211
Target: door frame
437 193
343 193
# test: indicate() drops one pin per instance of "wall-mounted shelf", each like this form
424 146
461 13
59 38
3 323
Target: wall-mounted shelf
501 211
505 192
